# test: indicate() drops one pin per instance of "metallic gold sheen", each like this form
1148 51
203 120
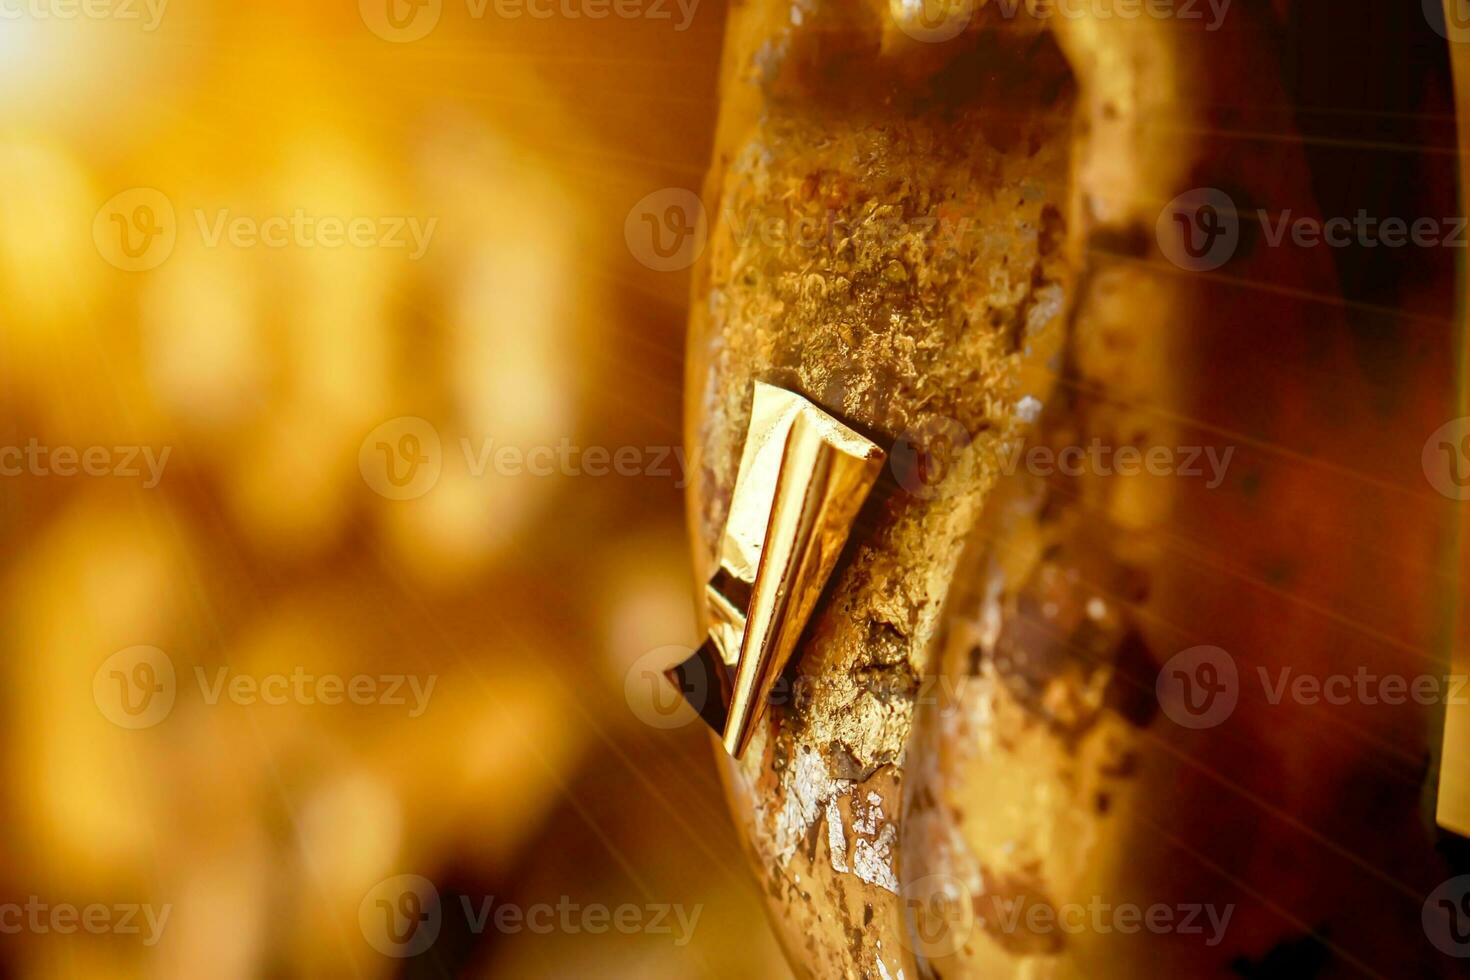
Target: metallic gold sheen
803 477
1453 811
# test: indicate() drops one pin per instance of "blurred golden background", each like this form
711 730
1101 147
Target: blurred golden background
341 498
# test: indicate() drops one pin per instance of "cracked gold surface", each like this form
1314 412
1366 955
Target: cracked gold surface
994 200
886 251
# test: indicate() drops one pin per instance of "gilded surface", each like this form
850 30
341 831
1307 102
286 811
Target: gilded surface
976 703
895 271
